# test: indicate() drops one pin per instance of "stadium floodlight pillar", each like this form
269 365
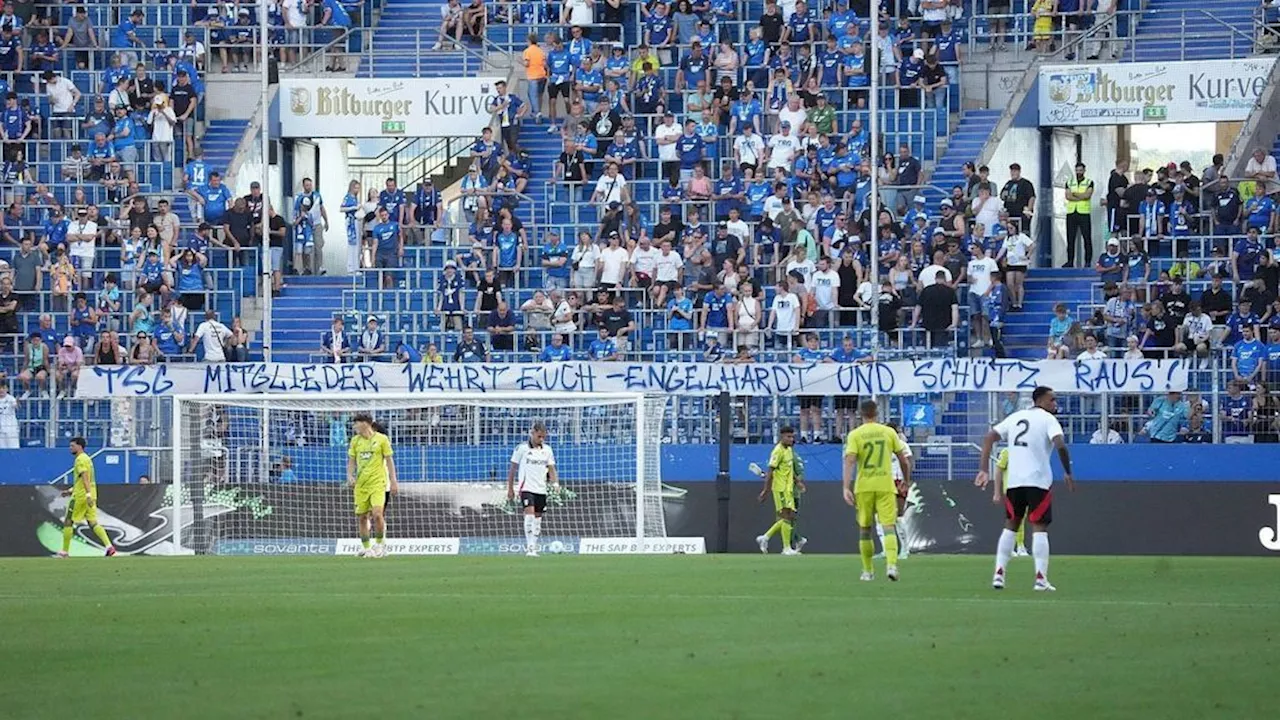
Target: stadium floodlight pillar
723 487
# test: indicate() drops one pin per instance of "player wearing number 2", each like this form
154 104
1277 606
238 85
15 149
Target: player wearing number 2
869 451
535 465
372 471
1030 434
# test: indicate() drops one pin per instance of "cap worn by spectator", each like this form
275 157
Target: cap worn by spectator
255 185
204 226
1113 243
69 341
918 199
947 203
938 231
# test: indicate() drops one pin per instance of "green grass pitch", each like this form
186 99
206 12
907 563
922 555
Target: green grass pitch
635 637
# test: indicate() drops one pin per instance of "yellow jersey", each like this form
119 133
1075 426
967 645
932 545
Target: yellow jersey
782 461
874 446
83 473
371 455
1002 462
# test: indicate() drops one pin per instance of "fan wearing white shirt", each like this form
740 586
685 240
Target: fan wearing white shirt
1194 334
644 263
1017 258
784 316
667 268
611 188
534 464
211 334
979 271
1030 434
826 288
747 148
782 148
612 264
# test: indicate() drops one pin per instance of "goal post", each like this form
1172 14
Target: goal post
266 474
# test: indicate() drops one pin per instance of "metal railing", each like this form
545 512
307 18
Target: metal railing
422 60
409 160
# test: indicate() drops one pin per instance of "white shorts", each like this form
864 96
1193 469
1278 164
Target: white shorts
303 248
85 262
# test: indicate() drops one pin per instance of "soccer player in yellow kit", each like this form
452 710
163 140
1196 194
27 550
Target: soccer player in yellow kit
780 480
372 471
868 453
1002 480
84 500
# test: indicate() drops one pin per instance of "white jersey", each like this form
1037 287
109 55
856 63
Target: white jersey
1030 434
533 464
897 464
9 436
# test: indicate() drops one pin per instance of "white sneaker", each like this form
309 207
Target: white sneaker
1021 551
362 552
867 577
380 549
763 543
903 554
61 554
790 551
25 395
801 543
997 581
436 46
891 572
1042 585
531 553
878 556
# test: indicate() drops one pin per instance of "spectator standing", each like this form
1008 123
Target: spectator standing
162 120
502 327
310 203
80 36
212 335
1120 314
938 311
534 59
1019 198
1166 415
784 316
1079 195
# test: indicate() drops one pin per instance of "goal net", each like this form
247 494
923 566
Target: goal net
267 474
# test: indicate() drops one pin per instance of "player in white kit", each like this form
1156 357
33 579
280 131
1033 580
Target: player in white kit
534 464
9 435
902 487
1030 434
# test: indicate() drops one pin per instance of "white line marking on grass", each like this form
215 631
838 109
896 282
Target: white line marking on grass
992 601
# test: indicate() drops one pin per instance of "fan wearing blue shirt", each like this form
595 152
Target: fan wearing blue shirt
555 262
16 123
690 148
426 203
125 36
388 246
748 110
758 190
717 310
10 50
603 347
589 81
1248 357
508 253
1246 256
1260 209
557 351
727 192
1242 318
1166 414
213 198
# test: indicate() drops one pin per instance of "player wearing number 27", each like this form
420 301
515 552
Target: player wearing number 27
868 452
535 465
1030 434
372 471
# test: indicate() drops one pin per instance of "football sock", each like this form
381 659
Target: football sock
101 533
364 541
1022 535
67 531
880 534
537 530
1004 549
773 529
890 541
786 534
528 532
380 538
901 535
867 549
1040 551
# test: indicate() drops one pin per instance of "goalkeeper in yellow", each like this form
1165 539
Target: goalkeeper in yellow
372 471
997 497
868 453
84 501
785 480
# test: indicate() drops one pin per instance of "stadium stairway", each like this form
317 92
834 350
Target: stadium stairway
402 43
964 145
1188 30
302 313
1026 333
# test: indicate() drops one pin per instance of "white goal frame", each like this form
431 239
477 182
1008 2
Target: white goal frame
638 402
